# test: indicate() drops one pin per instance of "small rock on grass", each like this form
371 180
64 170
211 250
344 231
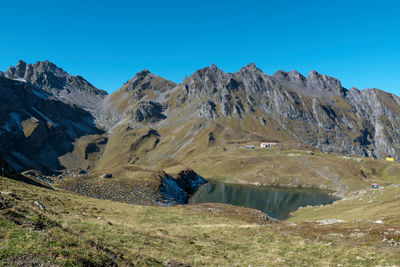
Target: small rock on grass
40 205
11 194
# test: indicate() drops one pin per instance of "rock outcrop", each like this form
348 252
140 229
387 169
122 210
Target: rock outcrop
36 128
147 111
189 181
177 190
139 97
59 84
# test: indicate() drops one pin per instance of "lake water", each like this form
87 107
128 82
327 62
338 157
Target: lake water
277 202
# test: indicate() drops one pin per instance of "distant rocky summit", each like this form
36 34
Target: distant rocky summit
51 120
58 83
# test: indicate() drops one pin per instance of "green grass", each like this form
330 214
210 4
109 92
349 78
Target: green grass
79 230
27 244
369 204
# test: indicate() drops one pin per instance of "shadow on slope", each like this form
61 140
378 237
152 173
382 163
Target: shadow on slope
35 128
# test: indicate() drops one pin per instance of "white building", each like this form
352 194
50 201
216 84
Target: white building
265 145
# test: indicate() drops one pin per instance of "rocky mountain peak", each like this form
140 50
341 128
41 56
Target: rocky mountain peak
49 68
296 76
250 68
138 99
59 84
212 72
205 79
50 77
47 65
26 71
324 82
292 76
354 90
21 64
138 78
213 68
142 73
18 70
251 65
314 76
144 80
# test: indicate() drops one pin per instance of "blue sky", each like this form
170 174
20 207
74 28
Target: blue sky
107 42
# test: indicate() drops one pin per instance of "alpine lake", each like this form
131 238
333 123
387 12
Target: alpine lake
277 202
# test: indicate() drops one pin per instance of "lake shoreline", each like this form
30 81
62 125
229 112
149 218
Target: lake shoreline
275 201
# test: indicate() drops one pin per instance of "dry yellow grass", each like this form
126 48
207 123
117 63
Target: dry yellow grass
79 230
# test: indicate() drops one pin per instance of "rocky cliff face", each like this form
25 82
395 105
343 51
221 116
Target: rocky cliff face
61 85
36 128
315 110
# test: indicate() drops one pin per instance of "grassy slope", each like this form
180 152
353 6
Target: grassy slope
86 153
369 204
291 167
76 230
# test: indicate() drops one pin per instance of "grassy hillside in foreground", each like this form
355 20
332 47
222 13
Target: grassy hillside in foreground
78 231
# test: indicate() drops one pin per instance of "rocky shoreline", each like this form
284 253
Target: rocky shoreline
168 191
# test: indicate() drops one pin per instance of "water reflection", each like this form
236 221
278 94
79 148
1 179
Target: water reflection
277 202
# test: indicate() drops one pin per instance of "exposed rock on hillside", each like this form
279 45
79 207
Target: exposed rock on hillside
189 181
177 190
147 111
54 80
62 86
144 91
36 128
57 82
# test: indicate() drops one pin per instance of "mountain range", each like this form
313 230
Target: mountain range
51 120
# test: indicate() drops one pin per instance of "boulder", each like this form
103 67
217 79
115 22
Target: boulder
39 205
106 175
